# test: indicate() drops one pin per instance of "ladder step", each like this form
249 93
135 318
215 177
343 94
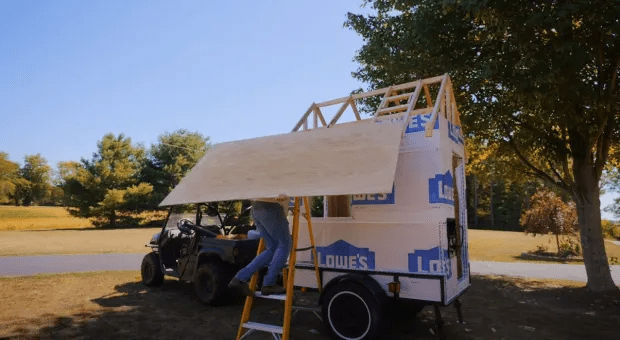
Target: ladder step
392 109
398 97
282 297
263 327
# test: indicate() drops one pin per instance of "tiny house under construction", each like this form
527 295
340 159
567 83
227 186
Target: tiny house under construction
394 223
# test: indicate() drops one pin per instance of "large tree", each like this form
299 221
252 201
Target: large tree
35 185
9 174
170 160
537 78
107 187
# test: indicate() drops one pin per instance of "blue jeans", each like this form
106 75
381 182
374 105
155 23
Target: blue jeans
272 224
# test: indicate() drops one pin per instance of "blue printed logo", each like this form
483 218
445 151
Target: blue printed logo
441 189
430 261
341 254
455 133
364 199
417 123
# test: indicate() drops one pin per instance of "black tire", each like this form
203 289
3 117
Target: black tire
211 284
350 312
151 270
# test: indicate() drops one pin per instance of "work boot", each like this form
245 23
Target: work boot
240 286
272 289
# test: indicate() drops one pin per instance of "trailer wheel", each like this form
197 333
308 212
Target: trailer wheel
210 284
351 312
151 270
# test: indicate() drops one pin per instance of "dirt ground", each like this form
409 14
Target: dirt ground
115 305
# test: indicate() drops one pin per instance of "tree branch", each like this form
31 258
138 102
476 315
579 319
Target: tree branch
539 173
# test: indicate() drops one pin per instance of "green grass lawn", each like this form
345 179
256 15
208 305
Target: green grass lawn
28 218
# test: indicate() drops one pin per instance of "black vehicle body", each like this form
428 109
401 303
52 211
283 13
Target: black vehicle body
207 255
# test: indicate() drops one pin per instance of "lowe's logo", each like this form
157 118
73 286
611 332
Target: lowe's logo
441 189
417 123
344 255
373 198
430 262
455 133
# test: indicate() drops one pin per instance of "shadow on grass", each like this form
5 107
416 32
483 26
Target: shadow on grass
494 308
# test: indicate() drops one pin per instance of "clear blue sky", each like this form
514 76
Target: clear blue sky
72 71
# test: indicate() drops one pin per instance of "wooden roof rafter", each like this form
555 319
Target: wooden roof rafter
392 103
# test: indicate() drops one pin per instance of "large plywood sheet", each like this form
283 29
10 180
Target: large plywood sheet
353 158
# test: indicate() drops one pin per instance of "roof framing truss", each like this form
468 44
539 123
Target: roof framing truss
397 99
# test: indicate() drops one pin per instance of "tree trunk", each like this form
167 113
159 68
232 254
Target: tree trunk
587 200
475 202
491 206
557 242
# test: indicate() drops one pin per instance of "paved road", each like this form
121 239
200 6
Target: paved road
29 265
536 270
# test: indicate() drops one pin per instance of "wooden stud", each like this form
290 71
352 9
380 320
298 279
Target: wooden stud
354 108
338 114
304 118
383 111
316 259
320 115
427 94
383 101
414 98
431 122
288 304
399 97
315 120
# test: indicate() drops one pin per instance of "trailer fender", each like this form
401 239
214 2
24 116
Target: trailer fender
364 280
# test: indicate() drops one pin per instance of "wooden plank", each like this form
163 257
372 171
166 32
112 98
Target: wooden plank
320 115
354 108
315 120
353 158
399 97
433 79
303 118
429 125
414 98
338 114
392 109
421 111
427 93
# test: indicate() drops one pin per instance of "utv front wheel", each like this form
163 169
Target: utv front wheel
151 270
211 284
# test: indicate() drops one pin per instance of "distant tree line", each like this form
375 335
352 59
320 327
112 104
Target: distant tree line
121 179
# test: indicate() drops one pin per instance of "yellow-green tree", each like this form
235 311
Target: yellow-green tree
548 214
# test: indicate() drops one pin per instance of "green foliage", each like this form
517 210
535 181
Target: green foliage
9 173
170 160
611 229
316 206
107 188
539 80
35 186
